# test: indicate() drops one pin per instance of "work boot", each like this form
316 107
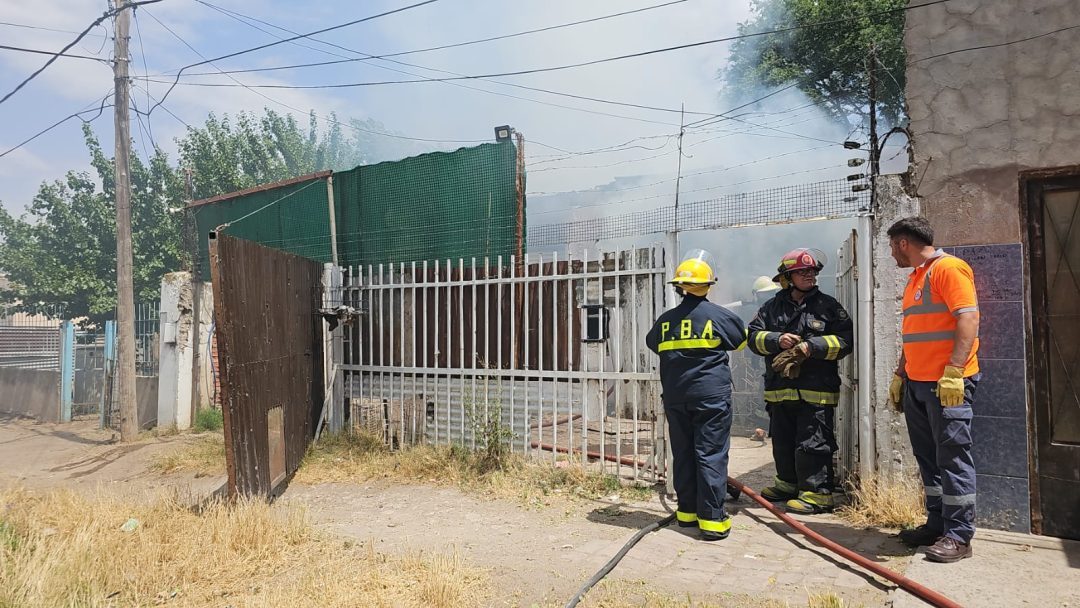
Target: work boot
686 520
923 536
948 550
809 503
715 530
780 491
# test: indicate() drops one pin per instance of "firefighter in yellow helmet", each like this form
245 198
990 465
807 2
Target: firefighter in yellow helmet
693 340
802 333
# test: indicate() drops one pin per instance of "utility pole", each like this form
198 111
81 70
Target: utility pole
125 299
672 244
875 153
191 235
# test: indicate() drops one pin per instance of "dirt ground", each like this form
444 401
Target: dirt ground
536 554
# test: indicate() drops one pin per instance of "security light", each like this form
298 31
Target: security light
503 133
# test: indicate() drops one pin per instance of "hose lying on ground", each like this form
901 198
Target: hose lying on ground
922 592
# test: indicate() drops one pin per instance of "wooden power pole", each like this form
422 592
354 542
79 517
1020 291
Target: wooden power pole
125 299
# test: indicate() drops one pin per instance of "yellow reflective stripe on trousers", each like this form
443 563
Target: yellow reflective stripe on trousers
784 394
834 346
715 526
686 344
686 517
819 397
792 394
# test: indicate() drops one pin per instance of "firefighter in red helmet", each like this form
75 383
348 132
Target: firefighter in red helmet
802 333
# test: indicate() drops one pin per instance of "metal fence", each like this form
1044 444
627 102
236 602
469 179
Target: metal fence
801 202
147 336
544 354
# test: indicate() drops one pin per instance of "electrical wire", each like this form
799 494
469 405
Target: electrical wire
270 44
78 115
244 19
45 29
55 54
565 66
82 34
993 46
146 70
285 105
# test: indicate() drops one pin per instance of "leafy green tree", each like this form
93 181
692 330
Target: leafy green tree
828 62
229 154
61 253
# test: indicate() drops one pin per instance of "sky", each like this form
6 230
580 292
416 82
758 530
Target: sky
584 159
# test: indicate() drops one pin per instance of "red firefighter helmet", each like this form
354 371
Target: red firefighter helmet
798 259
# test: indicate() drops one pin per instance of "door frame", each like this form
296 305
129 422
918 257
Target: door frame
1032 184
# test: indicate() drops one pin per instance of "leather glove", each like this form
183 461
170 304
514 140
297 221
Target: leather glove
796 354
950 387
896 393
788 362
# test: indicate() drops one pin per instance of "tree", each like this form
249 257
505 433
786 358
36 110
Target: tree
227 155
828 62
61 254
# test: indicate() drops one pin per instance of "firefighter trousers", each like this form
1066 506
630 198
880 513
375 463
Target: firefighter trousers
803 444
941 440
700 439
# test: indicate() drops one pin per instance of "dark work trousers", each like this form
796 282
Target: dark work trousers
700 438
803 444
941 439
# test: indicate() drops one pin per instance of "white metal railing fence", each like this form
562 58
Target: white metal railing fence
544 354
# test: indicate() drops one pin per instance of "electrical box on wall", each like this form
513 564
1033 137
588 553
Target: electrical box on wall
596 322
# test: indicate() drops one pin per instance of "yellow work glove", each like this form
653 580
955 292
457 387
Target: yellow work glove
896 393
950 388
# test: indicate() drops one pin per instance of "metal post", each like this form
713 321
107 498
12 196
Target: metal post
108 372
333 219
67 369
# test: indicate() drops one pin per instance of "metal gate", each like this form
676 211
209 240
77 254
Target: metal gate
545 354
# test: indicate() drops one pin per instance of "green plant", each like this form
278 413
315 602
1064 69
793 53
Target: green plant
210 419
492 439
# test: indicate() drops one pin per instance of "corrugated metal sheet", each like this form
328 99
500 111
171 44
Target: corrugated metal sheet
270 349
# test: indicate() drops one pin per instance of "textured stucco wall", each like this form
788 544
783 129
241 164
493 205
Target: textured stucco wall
979 117
894 455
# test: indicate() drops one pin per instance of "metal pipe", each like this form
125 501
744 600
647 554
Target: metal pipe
864 340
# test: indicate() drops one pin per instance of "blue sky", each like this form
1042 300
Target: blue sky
437 111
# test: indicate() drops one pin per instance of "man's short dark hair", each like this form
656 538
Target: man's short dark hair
913 228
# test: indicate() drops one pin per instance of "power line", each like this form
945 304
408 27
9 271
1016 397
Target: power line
558 67
163 107
45 29
992 46
244 19
82 34
270 44
284 105
78 115
368 57
146 70
53 53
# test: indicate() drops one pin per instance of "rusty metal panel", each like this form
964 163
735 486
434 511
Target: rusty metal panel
270 351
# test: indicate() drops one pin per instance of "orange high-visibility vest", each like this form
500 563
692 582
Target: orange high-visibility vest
937 292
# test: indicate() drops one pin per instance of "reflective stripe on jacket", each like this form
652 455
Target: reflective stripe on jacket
692 340
823 324
936 293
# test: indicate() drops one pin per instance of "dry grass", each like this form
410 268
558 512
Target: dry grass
621 593
63 549
361 458
881 503
203 454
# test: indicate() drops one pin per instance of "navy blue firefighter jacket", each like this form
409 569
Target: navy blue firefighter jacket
692 340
